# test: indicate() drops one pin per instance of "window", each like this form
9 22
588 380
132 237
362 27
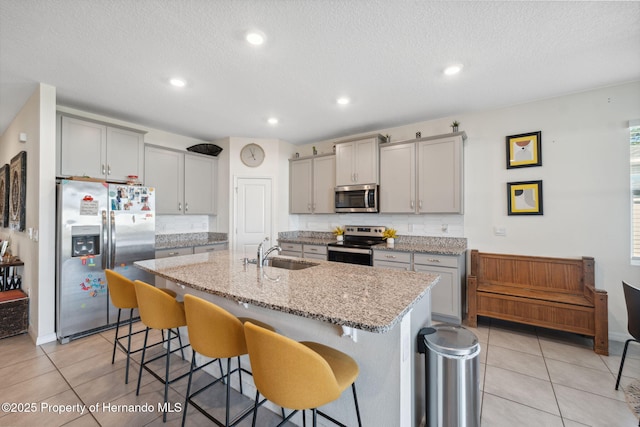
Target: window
634 142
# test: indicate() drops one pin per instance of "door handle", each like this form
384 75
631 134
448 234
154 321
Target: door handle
113 239
105 239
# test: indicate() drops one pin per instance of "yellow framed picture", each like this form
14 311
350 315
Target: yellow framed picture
524 150
524 198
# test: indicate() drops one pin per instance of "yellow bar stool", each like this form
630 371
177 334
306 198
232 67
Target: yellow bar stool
217 334
123 296
298 375
159 310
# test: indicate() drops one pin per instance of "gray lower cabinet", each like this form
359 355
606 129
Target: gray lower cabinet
291 249
315 252
448 296
396 260
210 248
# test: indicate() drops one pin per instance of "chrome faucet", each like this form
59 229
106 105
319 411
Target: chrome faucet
260 254
271 249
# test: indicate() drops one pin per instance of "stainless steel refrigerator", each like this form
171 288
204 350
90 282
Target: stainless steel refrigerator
99 226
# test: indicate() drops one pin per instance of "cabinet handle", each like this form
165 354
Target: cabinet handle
104 171
309 207
186 207
390 256
108 169
433 260
179 206
313 249
173 253
313 207
413 204
420 204
356 174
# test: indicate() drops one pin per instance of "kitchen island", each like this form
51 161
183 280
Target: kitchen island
371 314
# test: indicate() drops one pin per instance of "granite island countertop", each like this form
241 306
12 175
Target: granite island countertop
362 297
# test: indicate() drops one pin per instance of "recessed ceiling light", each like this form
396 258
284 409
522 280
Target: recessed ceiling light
453 69
343 100
177 82
273 120
255 38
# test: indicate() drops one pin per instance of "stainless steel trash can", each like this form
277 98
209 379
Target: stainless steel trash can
452 376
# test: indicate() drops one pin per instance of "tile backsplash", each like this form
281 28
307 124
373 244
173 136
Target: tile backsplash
173 224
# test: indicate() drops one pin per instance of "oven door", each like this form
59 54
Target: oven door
350 255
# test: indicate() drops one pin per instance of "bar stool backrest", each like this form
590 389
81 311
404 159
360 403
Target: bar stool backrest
288 373
158 309
121 290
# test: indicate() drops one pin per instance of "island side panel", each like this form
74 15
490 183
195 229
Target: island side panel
379 356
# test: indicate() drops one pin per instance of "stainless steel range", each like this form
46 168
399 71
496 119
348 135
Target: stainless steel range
357 247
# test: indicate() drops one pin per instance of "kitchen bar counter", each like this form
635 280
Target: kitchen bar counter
361 297
372 314
183 240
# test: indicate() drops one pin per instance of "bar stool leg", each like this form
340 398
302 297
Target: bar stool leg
166 375
355 399
126 377
186 400
144 350
113 355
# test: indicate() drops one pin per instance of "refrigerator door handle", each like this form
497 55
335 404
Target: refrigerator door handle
105 242
112 239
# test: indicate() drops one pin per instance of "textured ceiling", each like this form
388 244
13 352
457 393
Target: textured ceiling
114 57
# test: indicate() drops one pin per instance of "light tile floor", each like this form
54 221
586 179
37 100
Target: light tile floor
529 377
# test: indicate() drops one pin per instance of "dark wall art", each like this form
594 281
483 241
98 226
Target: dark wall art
4 196
18 191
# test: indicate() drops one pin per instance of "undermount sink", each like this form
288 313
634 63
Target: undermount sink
288 264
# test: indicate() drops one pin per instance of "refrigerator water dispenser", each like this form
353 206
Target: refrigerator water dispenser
85 240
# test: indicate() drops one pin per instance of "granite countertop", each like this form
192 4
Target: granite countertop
307 240
418 244
183 240
435 245
361 297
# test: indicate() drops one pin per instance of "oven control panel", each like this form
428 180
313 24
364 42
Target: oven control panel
365 231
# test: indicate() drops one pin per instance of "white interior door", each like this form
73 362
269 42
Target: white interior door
253 214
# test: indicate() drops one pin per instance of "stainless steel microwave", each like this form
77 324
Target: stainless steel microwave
356 198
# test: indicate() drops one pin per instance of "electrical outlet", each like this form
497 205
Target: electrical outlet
499 231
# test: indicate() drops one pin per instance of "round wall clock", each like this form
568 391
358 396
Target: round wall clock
252 155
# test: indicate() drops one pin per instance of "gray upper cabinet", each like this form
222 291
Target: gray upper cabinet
398 178
440 167
311 185
185 183
423 176
99 150
357 161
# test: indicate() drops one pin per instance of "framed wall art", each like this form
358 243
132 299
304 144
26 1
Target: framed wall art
4 196
524 198
18 191
524 150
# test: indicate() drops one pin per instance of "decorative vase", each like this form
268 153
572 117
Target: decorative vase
340 237
390 242
454 128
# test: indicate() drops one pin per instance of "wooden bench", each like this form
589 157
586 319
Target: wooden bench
555 293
